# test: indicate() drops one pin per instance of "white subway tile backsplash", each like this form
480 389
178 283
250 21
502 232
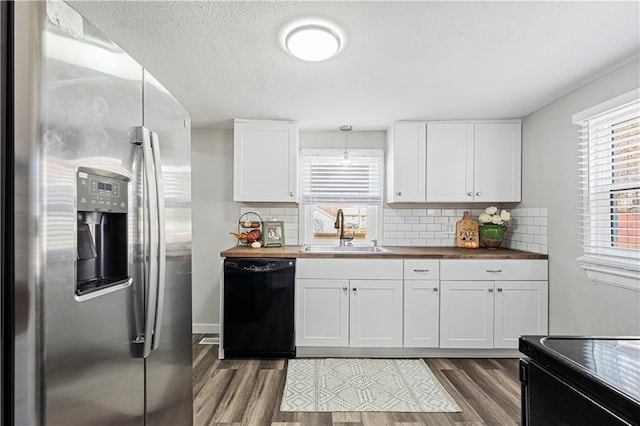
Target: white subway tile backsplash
288 215
540 220
526 231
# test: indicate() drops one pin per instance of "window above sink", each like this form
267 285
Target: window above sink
356 189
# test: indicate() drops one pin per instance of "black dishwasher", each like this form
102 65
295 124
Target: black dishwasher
258 318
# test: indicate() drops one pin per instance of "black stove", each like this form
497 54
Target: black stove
580 380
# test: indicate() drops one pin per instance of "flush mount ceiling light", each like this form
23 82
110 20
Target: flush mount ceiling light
312 42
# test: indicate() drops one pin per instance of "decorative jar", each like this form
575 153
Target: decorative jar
492 235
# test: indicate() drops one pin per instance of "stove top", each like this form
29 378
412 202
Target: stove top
614 361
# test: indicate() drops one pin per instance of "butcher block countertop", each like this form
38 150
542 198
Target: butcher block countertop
398 253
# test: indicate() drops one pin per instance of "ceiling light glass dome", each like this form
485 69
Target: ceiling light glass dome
312 43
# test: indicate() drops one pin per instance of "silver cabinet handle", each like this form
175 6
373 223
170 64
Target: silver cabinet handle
291 194
477 193
420 270
490 290
344 288
399 194
499 289
494 270
435 289
470 194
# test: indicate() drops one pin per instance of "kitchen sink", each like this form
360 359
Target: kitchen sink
308 248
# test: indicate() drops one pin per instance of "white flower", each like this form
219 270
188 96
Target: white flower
496 219
491 215
484 218
491 210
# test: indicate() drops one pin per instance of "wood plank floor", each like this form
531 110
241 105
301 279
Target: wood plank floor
249 392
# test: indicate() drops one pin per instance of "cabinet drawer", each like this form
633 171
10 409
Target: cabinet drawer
421 269
493 269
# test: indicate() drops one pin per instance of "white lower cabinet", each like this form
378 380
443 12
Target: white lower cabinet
449 304
494 311
521 308
355 311
421 303
466 314
375 308
322 312
421 313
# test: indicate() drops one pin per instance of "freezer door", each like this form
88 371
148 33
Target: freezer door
168 367
90 98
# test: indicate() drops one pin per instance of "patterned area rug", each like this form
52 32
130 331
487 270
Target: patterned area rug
348 384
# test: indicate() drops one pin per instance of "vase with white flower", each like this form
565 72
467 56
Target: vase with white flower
492 226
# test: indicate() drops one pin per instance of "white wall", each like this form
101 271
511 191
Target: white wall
549 179
214 215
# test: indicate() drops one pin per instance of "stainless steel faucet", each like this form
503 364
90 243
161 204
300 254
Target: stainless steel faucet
340 225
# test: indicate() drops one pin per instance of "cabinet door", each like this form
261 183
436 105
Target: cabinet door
421 313
376 313
466 314
497 162
322 312
265 165
449 162
521 307
407 144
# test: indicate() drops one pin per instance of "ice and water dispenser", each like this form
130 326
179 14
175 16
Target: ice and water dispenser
102 208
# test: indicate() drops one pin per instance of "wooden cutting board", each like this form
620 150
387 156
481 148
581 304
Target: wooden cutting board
467 234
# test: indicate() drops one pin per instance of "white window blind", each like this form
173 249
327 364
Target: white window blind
326 181
609 176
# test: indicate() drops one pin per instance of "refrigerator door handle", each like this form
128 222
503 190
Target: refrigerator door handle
162 249
151 271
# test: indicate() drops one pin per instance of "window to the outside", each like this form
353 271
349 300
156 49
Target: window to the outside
328 186
610 191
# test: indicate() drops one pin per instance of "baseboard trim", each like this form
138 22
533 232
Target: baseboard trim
313 351
205 328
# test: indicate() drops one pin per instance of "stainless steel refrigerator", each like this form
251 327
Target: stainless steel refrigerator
96 229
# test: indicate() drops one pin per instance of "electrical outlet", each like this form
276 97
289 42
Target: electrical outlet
449 228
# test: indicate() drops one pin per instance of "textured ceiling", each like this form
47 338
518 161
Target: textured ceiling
400 60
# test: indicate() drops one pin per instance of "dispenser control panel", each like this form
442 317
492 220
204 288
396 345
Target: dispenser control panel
102 192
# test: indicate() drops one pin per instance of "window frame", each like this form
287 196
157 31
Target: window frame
608 265
374 212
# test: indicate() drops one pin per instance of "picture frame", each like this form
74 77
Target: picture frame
273 234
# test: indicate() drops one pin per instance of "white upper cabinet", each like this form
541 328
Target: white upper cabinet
449 162
497 162
473 162
265 161
406 162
